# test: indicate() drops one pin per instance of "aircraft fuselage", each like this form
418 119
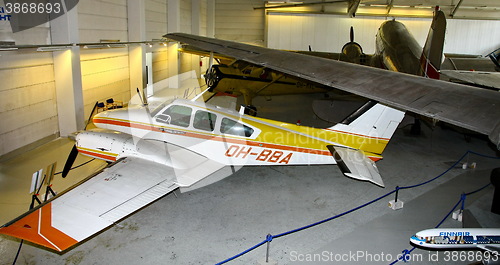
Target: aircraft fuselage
397 48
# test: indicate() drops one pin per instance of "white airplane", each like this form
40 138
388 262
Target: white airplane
179 145
457 238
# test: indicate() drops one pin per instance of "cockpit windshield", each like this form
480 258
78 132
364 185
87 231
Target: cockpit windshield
175 115
202 120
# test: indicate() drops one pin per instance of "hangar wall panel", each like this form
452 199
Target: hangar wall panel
190 62
186 16
330 33
160 64
37 35
203 17
237 20
102 19
156 18
105 74
479 36
27 99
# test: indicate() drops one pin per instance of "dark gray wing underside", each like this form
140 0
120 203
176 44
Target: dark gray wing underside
471 108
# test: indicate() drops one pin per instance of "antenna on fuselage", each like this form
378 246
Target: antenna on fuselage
144 101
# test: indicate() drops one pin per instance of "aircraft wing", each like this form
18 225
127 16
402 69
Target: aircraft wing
471 108
483 79
97 203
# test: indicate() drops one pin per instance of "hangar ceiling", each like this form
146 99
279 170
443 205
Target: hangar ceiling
463 9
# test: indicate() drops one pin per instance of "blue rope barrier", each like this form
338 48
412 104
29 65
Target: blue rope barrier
270 237
243 253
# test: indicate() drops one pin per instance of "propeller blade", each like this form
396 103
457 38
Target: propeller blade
352 34
69 162
211 61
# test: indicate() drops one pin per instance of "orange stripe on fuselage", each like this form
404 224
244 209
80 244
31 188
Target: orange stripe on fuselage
37 227
216 138
224 139
95 154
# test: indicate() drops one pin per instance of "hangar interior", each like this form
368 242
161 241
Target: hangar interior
48 91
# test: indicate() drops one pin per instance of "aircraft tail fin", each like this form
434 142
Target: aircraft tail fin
370 127
432 53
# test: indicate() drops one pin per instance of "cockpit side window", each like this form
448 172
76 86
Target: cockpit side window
204 120
175 115
229 126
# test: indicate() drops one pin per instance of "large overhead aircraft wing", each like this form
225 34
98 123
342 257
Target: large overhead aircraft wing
468 107
100 201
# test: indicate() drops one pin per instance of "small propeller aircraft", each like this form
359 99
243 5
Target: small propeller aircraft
179 145
458 238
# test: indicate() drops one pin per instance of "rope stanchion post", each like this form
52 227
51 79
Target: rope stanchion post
269 238
395 204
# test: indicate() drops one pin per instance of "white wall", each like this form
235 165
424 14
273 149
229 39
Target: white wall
156 27
27 99
330 33
27 95
105 72
156 19
472 36
102 19
237 20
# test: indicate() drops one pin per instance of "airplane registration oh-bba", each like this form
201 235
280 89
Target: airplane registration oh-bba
179 145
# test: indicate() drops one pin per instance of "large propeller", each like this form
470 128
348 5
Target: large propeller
352 49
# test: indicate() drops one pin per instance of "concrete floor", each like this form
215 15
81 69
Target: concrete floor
211 224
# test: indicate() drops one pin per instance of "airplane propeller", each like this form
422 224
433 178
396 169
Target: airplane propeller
74 151
211 75
352 34
69 162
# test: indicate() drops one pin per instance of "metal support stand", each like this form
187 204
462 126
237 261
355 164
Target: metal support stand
49 189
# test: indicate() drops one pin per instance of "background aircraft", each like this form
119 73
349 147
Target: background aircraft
396 50
459 238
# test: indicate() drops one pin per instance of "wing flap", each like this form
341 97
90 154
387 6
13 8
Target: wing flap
100 201
355 164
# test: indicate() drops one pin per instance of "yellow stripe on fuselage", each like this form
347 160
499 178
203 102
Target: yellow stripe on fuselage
315 138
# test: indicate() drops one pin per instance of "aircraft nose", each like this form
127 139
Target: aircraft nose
99 118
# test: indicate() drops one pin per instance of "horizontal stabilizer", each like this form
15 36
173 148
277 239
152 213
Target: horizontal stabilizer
355 164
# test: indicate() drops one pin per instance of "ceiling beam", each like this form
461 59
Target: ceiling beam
352 7
389 7
302 4
456 8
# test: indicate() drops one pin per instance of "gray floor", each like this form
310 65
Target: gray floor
213 223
